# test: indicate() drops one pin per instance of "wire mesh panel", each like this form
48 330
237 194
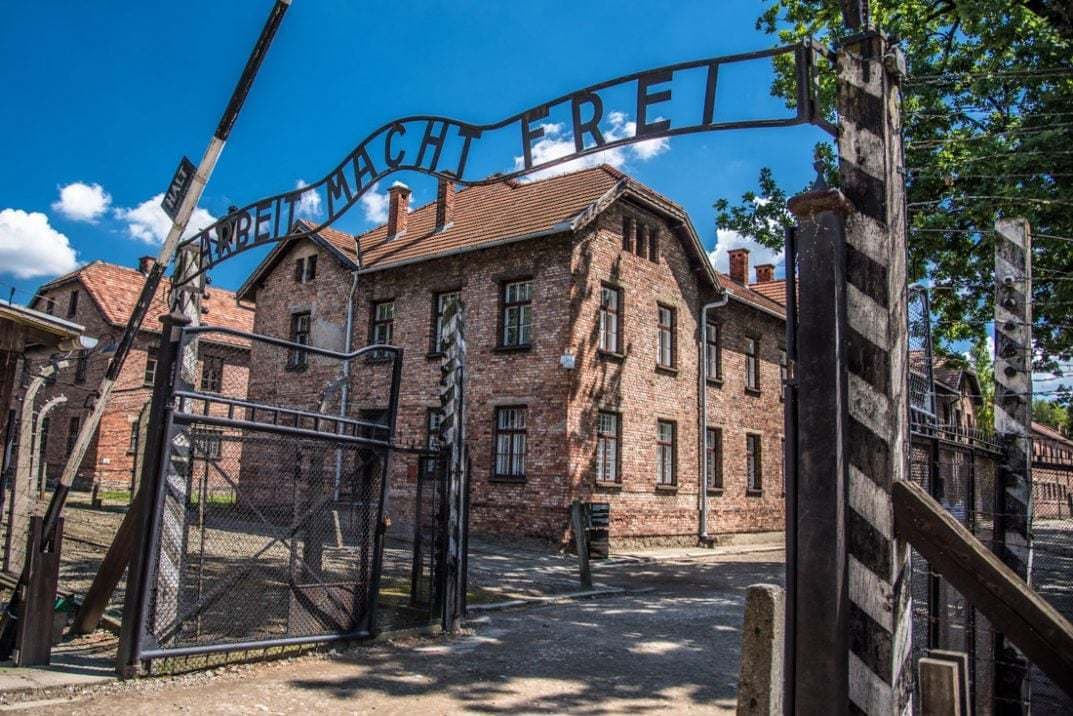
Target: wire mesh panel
1052 548
269 510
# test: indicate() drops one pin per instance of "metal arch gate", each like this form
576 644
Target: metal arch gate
267 518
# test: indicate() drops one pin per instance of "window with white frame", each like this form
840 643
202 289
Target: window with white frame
666 357
752 364
608 447
611 319
517 301
510 430
665 453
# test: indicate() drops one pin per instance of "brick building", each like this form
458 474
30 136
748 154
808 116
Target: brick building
583 297
1052 474
101 297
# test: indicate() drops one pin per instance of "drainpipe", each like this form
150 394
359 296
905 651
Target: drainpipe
344 391
703 420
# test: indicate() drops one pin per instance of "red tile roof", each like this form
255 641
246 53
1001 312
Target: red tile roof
489 213
774 290
114 289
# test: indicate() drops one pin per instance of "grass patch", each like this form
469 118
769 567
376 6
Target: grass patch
114 496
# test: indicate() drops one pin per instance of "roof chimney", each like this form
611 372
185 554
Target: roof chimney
145 265
445 204
739 265
398 208
765 272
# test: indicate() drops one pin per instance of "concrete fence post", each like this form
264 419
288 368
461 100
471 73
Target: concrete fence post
1013 421
762 636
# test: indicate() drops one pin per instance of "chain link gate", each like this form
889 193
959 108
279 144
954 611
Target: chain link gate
268 517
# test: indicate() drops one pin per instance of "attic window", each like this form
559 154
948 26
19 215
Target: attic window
305 269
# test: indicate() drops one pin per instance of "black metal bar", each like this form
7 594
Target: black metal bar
245 81
378 348
189 418
136 598
211 398
251 645
790 473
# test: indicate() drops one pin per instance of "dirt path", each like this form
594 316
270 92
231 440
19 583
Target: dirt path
669 645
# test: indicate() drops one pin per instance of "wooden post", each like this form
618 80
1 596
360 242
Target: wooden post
870 68
1013 421
819 612
35 624
581 541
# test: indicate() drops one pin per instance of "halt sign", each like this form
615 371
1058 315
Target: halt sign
180 184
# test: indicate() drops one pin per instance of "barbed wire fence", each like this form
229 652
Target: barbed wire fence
970 165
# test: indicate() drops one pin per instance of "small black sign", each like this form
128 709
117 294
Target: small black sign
180 184
599 515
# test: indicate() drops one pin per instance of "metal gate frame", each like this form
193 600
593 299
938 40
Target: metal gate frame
167 417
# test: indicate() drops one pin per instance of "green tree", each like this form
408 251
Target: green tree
988 130
1051 413
980 355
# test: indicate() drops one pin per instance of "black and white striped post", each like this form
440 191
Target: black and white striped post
453 441
1013 421
852 382
876 434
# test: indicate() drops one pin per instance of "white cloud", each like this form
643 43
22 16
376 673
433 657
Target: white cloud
758 255
29 247
147 222
82 202
375 205
558 142
309 204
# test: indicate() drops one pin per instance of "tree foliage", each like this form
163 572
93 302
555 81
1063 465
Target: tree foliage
988 130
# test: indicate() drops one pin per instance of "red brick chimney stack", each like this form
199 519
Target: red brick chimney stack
765 273
145 265
739 265
398 209
445 204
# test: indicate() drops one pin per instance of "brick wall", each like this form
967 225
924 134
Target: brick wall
562 404
110 459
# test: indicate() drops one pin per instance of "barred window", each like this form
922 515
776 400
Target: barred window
714 449
611 319
608 447
510 442
517 302
753 476
212 372
666 356
665 453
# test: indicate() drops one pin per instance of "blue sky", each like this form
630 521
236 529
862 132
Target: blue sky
103 98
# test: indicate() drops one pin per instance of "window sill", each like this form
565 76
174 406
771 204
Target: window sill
507 479
513 349
715 382
433 355
297 368
754 493
610 355
669 489
753 391
666 369
715 492
608 485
